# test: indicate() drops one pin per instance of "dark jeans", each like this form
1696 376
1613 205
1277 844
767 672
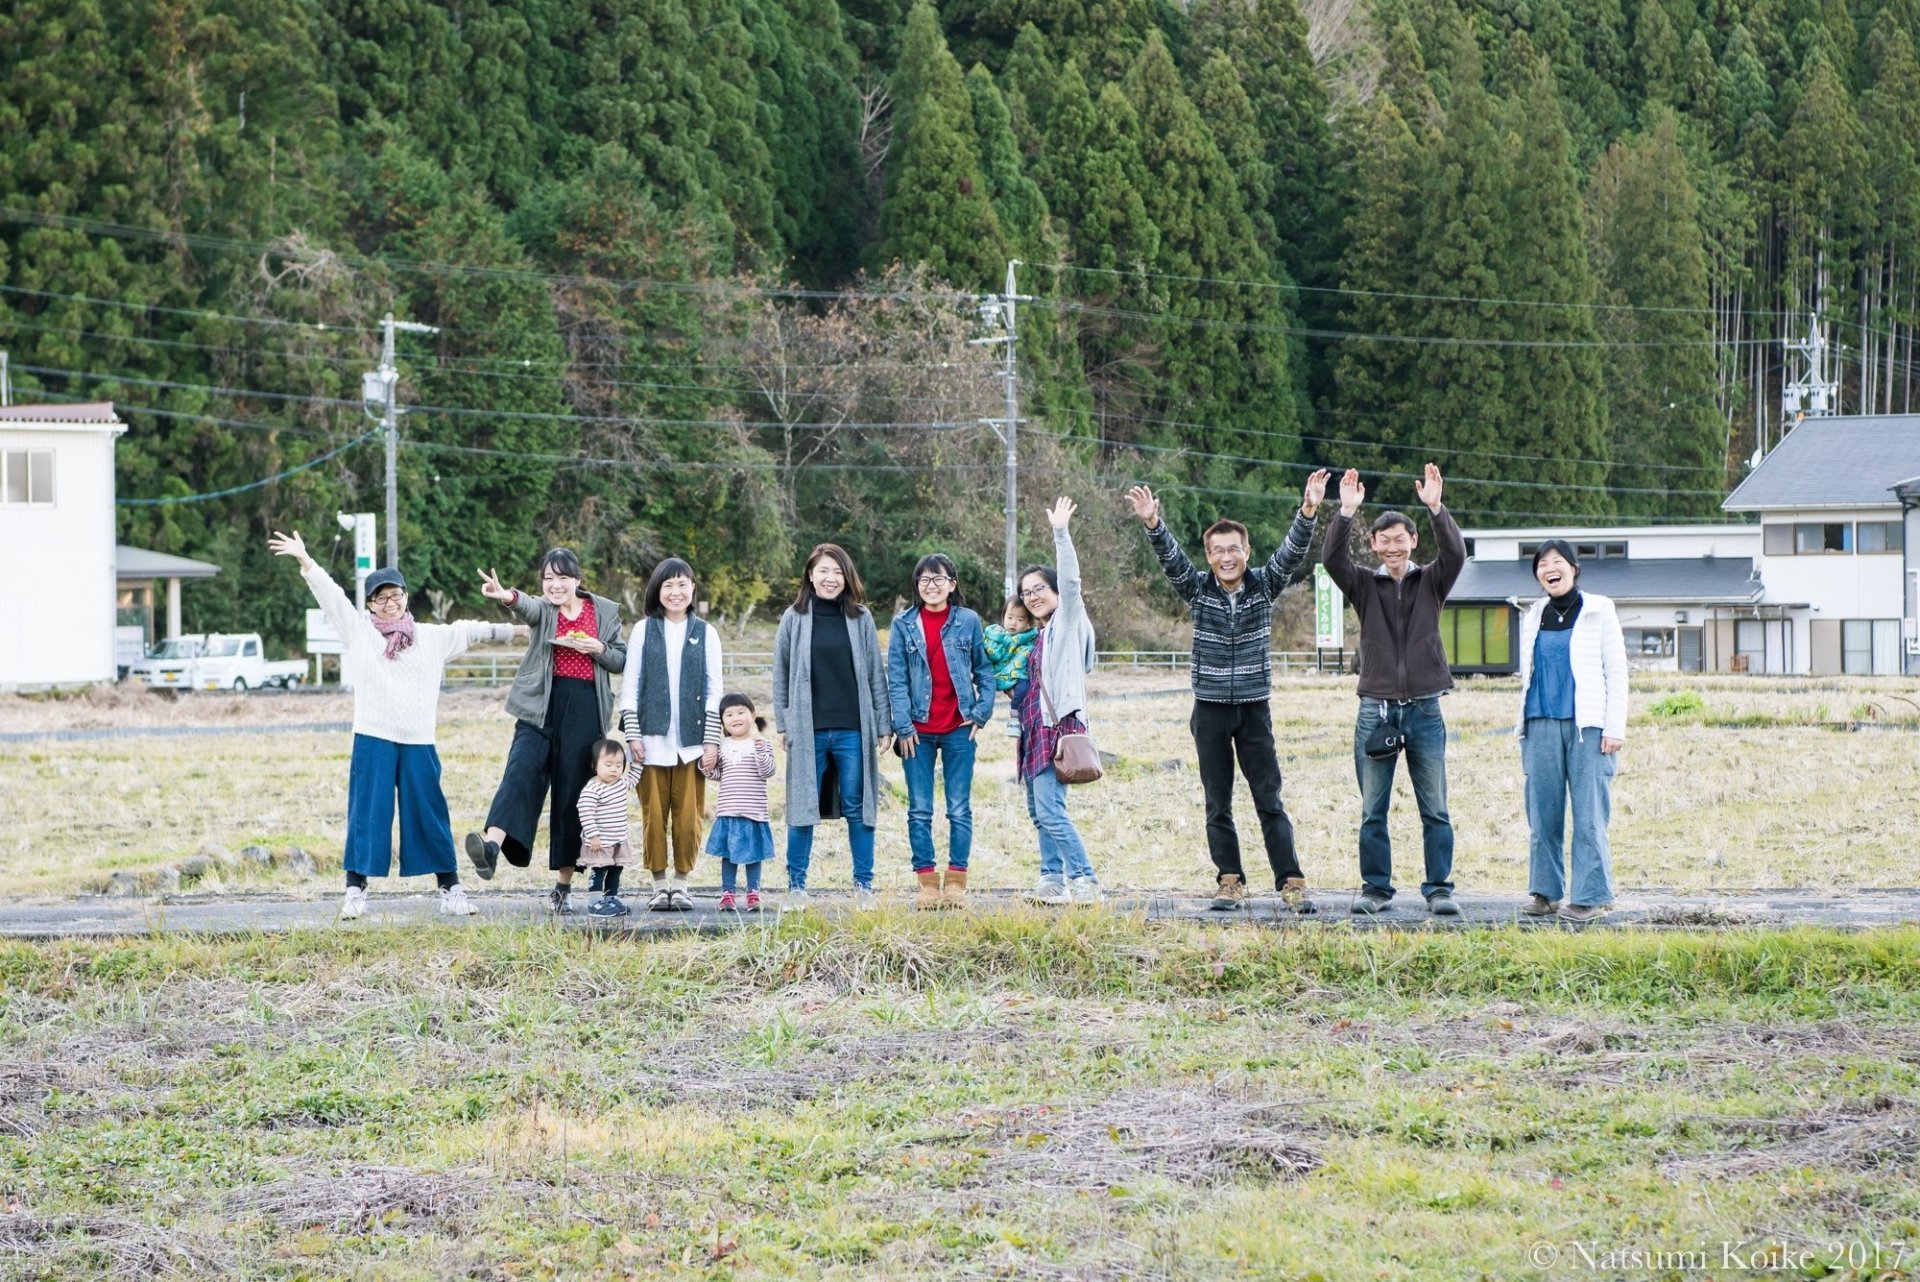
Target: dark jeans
1426 754
1219 729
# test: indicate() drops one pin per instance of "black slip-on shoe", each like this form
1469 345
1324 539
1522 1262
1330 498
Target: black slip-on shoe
484 854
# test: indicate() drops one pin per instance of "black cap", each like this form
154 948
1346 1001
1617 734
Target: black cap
387 578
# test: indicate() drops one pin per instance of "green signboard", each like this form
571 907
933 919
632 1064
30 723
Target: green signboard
1329 612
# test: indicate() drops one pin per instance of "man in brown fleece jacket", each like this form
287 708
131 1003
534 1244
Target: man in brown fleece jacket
1403 673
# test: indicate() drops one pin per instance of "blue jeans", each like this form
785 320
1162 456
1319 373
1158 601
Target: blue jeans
1062 853
1564 763
1426 754
848 754
956 750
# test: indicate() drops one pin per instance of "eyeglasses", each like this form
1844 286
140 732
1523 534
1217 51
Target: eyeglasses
386 598
1035 590
935 579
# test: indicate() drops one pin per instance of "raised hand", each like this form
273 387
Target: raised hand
1429 488
1061 512
290 545
1145 505
1352 493
490 586
1315 491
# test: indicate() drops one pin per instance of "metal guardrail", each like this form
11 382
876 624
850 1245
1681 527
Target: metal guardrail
480 671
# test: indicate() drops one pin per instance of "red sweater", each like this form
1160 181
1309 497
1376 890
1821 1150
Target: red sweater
943 715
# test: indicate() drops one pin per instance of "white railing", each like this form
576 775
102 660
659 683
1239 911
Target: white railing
484 670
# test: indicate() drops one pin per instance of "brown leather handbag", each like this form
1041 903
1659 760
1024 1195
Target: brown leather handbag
1075 758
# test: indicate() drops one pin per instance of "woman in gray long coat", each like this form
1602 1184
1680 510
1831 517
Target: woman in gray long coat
830 705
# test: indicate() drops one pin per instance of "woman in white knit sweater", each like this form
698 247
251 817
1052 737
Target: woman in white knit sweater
1573 723
394 666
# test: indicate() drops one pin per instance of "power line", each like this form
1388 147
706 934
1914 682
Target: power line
1309 467
250 485
1303 331
195 313
460 411
1292 287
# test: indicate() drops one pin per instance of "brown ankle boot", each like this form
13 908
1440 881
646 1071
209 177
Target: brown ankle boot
954 893
929 893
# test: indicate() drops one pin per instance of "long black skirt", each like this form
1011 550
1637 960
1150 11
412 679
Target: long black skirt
555 759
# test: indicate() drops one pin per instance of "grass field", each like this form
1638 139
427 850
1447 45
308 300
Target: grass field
1077 1096
1727 782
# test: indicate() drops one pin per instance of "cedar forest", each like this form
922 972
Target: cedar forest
707 273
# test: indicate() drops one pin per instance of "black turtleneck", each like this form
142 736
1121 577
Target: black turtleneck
1559 615
836 692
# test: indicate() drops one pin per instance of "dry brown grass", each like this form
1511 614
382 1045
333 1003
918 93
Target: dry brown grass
1698 805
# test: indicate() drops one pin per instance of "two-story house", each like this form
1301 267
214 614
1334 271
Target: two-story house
1826 582
1835 539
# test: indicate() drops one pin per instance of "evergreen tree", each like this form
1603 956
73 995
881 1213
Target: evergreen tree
938 208
1554 386
1225 359
1379 273
1657 56
1016 198
1669 441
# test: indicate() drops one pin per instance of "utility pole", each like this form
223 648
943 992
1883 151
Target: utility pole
6 381
378 390
1000 309
1814 392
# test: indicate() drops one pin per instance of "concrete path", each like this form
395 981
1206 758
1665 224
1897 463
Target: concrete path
246 914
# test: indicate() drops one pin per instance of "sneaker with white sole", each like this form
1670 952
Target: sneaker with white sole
354 904
560 899
863 897
728 901
678 900
661 901
1085 890
454 903
1051 891
608 906
795 902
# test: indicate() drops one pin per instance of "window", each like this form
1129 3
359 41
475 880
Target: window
1777 539
1585 551
1870 647
1750 642
1881 536
1814 538
1478 636
26 476
1649 643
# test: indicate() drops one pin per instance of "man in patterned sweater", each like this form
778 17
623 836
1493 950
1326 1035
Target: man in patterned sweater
1232 668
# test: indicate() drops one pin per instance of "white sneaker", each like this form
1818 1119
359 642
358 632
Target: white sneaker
863 897
354 904
795 902
1085 890
1051 891
453 902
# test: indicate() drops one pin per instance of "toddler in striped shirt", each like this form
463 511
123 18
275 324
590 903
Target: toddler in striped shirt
604 829
742 834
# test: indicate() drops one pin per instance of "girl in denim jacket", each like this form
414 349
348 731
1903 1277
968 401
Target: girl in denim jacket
941 685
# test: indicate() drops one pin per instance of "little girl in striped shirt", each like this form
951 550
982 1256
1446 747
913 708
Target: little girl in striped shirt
604 827
742 834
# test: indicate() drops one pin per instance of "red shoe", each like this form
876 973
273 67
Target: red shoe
753 901
727 902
